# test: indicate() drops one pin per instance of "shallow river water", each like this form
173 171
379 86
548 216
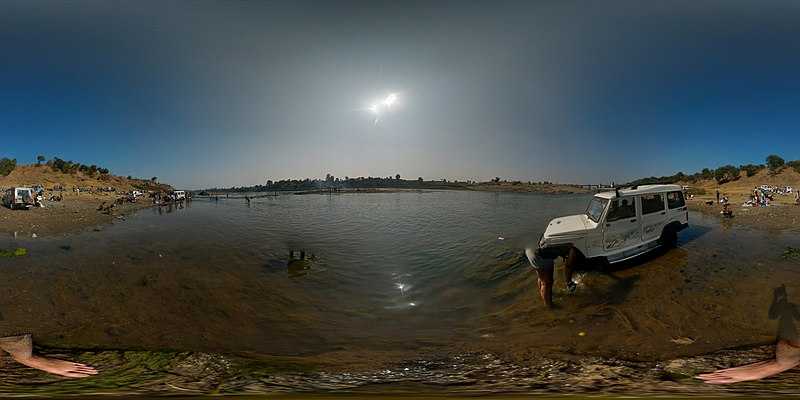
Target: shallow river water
398 285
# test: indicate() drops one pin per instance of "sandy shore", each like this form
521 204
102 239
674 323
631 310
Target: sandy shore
78 210
780 216
75 213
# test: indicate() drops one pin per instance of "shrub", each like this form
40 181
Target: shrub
794 164
7 165
751 169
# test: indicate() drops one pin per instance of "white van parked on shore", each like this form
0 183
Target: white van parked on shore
619 225
19 197
179 195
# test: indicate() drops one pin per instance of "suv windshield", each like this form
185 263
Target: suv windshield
596 207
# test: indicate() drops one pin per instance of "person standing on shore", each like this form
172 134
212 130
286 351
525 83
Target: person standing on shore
717 195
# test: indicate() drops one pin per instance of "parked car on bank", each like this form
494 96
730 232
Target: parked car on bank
619 225
19 197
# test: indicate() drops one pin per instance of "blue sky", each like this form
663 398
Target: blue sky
207 94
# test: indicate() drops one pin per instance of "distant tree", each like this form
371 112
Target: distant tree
774 163
496 179
153 179
419 179
397 177
750 169
130 177
39 159
726 173
794 164
7 165
707 174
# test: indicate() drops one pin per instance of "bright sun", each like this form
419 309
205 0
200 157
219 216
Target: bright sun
379 107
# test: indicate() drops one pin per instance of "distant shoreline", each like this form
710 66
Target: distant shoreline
506 187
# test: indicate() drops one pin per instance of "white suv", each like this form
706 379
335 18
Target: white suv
619 225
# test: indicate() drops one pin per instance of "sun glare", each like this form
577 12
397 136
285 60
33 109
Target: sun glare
378 107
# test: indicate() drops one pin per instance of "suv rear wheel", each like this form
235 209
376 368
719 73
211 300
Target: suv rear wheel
669 237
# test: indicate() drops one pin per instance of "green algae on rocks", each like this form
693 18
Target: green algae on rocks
18 252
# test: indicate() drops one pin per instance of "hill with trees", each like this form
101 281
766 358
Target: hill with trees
69 174
773 166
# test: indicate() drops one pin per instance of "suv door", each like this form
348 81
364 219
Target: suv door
676 208
654 215
622 227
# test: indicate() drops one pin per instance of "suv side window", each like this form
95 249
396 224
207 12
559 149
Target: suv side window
652 203
621 209
675 200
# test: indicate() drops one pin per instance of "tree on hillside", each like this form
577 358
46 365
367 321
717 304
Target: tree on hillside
774 163
707 173
153 179
750 169
397 177
7 165
726 173
794 164
39 159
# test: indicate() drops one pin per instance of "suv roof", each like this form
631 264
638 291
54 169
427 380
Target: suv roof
643 189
